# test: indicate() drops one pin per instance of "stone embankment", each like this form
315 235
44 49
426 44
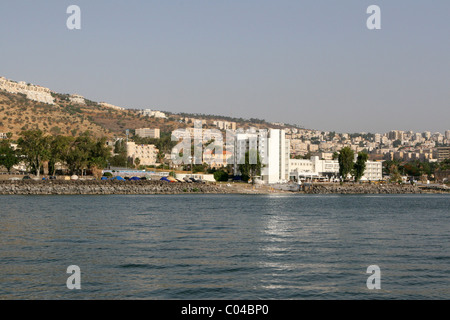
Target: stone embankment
93 187
362 189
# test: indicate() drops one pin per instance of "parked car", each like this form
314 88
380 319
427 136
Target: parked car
26 178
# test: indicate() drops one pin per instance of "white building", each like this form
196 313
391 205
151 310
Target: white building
148 133
111 106
147 153
278 153
150 113
315 168
76 98
273 149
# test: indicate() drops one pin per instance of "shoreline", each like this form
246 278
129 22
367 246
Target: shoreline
95 187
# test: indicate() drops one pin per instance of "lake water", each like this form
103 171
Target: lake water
225 246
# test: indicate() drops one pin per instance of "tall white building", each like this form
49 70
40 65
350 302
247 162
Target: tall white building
278 154
274 152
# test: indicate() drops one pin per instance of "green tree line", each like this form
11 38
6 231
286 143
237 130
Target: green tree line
38 150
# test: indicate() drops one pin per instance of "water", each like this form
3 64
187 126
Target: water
225 246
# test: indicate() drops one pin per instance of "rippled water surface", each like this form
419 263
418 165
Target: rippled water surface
225 246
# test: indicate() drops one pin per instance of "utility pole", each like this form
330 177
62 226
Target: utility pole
126 147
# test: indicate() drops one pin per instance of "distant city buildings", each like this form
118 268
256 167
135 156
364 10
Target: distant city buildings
148 133
3 136
396 144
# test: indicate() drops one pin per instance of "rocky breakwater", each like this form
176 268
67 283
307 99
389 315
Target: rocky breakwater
95 187
362 189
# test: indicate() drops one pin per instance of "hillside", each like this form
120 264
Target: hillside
17 113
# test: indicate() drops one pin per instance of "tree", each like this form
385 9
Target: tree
248 170
395 175
335 155
59 150
8 156
137 162
99 156
34 146
346 157
161 157
78 155
221 175
360 165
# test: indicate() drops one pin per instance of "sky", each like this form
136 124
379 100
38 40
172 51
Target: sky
312 63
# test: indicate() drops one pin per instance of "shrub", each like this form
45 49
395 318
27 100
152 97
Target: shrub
221 175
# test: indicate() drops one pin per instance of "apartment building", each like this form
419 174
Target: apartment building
442 153
147 153
148 133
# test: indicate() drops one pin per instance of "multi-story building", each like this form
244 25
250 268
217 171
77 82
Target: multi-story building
377 138
147 153
225 125
442 153
426 135
273 149
148 133
278 156
396 135
316 168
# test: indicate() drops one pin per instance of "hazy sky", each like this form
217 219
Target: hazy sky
312 63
